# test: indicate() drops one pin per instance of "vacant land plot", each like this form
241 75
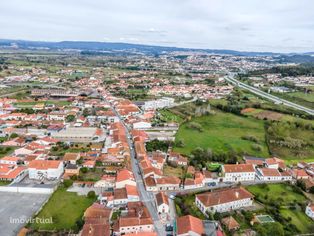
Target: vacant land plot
30 104
288 200
171 171
168 116
185 205
304 99
18 207
223 132
65 208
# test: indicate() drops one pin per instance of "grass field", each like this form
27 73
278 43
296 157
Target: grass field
65 208
171 171
304 99
298 218
222 132
168 116
284 195
185 205
274 191
4 183
31 104
4 151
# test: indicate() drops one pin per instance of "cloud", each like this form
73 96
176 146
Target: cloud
225 24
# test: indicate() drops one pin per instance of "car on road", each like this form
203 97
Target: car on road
212 184
172 196
169 228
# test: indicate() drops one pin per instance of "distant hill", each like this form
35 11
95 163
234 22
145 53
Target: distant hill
106 47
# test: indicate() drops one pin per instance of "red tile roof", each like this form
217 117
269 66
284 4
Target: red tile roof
44 164
236 168
188 223
223 196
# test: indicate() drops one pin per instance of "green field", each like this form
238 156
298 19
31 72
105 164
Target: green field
168 116
304 99
4 183
275 191
31 104
222 132
4 151
185 205
285 196
65 208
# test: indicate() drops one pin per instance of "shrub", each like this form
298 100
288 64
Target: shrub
67 183
91 194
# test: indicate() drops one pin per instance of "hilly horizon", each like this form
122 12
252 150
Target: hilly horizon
98 45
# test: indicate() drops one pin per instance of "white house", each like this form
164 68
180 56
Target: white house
106 182
238 172
9 160
270 174
159 103
45 169
309 211
162 203
142 125
132 193
119 198
168 183
125 177
223 200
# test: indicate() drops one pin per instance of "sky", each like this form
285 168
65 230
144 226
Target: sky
246 25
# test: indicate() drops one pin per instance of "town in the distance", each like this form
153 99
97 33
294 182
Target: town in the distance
149 141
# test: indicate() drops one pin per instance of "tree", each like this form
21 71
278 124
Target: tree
67 183
70 118
14 135
270 229
84 170
91 194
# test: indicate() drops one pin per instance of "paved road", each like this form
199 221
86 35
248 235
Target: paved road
273 98
146 197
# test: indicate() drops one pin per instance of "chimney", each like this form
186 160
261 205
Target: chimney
237 194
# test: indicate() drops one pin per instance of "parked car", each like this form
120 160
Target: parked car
169 228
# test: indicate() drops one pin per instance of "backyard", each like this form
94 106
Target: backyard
285 203
65 209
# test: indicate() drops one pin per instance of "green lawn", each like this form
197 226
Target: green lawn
33 103
4 151
284 195
4 183
222 132
298 218
65 208
304 99
185 205
274 191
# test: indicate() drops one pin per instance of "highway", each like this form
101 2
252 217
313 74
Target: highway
146 197
230 78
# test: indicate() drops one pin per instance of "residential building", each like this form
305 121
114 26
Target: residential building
125 177
238 172
45 169
189 226
224 200
162 203
309 211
